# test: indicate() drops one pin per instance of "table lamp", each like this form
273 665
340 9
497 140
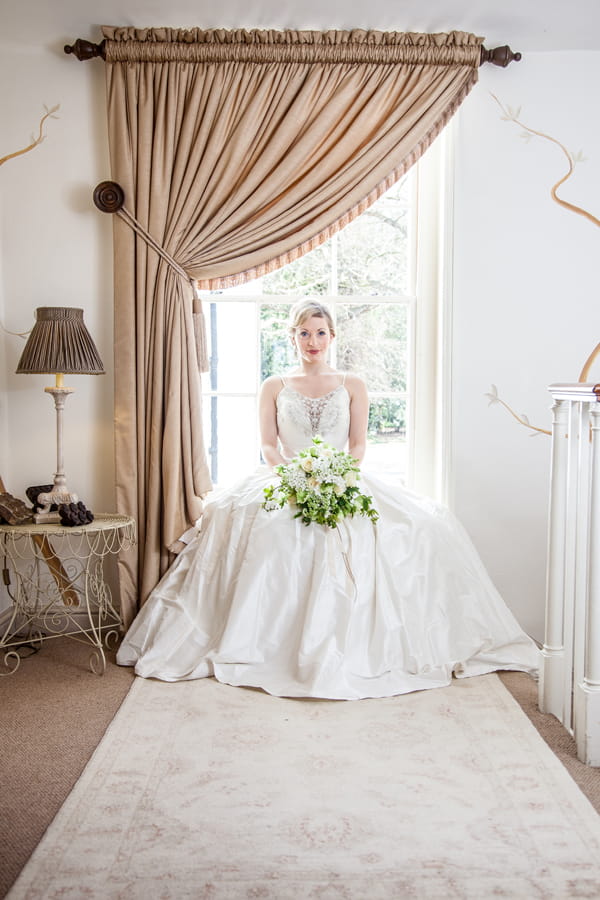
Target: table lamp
59 343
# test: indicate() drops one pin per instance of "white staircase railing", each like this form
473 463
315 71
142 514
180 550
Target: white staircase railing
570 674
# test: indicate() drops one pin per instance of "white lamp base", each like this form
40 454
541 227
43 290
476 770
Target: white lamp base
51 498
60 493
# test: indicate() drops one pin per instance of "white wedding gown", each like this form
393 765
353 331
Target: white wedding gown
369 610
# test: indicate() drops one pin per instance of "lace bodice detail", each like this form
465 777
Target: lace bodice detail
301 418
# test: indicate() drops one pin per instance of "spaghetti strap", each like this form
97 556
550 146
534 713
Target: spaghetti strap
344 378
283 381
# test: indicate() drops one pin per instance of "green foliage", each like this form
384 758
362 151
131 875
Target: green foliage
321 485
276 352
387 416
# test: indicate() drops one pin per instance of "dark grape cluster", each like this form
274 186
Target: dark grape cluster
72 514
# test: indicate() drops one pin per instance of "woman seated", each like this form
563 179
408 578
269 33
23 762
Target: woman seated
364 609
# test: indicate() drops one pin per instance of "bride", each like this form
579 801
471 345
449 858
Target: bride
367 609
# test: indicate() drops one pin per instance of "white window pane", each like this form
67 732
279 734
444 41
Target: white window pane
232 341
369 259
387 419
231 437
387 447
372 340
276 351
308 276
373 251
388 458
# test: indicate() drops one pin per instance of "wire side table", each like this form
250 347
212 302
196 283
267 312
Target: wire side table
55 577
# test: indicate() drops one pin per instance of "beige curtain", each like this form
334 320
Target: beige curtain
239 151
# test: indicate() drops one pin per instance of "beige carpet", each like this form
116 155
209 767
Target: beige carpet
525 691
53 714
199 790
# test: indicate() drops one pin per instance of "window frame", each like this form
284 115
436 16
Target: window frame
429 311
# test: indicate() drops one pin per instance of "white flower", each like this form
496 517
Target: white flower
296 479
314 482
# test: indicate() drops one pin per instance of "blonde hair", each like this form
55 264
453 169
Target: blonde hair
304 310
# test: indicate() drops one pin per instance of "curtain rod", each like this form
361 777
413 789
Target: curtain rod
83 50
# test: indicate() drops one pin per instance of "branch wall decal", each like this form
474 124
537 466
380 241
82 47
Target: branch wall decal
35 141
510 115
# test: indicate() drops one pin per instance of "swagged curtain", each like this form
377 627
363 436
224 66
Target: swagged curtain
239 151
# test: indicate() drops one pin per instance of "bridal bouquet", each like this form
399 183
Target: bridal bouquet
321 482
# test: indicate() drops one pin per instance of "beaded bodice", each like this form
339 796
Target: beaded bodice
301 418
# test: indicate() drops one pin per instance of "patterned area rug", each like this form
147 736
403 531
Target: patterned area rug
200 790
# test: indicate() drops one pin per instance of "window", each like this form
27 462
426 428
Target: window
368 275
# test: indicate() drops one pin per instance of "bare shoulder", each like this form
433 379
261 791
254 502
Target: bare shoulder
355 385
271 386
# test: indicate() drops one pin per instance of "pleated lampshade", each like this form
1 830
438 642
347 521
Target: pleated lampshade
60 342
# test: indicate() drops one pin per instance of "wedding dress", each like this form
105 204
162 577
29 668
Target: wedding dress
365 610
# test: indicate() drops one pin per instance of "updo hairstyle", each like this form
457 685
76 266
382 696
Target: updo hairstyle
304 310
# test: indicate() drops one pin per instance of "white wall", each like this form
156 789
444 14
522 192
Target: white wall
525 294
56 250
526 309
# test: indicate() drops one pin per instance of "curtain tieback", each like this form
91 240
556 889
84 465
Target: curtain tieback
110 197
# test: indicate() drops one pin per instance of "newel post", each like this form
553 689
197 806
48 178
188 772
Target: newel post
587 693
551 692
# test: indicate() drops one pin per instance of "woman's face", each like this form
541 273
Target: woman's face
312 338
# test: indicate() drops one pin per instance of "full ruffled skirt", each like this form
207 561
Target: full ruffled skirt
259 599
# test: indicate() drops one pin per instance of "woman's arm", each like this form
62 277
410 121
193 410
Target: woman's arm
267 418
359 416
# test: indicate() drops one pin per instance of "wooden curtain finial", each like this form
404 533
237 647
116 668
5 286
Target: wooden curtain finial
83 49
499 56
